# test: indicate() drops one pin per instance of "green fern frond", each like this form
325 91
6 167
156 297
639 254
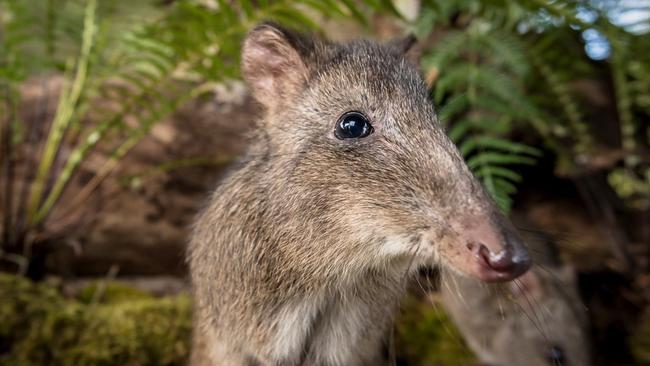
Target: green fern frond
497 158
493 169
484 142
480 89
566 100
623 98
65 111
183 50
483 122
506 50
448 49
453 79
454 106
498 171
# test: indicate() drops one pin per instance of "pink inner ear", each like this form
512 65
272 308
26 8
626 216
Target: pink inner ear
266 65
272 67
270 55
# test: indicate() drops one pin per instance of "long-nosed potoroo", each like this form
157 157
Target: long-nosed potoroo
536 320
303 251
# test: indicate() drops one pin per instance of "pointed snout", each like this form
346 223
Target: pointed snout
497 254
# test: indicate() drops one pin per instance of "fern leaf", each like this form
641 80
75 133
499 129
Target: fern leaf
453 107
492 157
498 171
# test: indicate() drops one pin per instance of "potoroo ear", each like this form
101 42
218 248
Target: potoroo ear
273 63
406 47
403 44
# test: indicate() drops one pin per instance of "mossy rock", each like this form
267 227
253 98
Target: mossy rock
425 336
39 327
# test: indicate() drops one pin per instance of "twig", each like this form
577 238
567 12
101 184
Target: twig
8 170
101 286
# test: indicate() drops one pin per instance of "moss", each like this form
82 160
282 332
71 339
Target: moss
39 327
127 327
111 292
640 341
426 336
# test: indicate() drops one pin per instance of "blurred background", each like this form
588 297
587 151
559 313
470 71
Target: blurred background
118 117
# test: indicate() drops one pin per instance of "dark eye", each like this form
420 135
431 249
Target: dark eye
353 125
556 356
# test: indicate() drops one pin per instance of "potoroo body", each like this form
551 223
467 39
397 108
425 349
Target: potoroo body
302 254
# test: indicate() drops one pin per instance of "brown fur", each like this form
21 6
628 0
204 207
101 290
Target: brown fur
301 255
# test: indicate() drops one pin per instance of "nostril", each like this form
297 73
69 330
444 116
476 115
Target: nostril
500 261
502 264
509 261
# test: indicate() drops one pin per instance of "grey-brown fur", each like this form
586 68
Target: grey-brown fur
302 253
538 320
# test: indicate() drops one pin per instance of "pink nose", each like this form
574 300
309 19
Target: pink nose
507 264
495 251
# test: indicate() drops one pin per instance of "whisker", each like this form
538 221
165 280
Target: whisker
439 313
561 237
417 280
532 321
498 292
560 281
429 280
540 323
532 303
458 293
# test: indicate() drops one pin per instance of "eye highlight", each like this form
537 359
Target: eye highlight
353 125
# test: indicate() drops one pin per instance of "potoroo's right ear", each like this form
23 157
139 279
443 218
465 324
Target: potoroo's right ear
403 44
273 63
407 47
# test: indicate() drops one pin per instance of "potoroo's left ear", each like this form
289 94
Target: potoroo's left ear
406 46
273 63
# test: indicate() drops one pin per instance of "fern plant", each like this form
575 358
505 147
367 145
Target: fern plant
500 67
476 76
503 67
120 82
625 160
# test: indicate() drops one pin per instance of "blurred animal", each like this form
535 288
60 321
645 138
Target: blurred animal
350 185
536 320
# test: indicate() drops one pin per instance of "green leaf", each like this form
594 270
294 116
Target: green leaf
498 171
454 106
486 141
491 157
